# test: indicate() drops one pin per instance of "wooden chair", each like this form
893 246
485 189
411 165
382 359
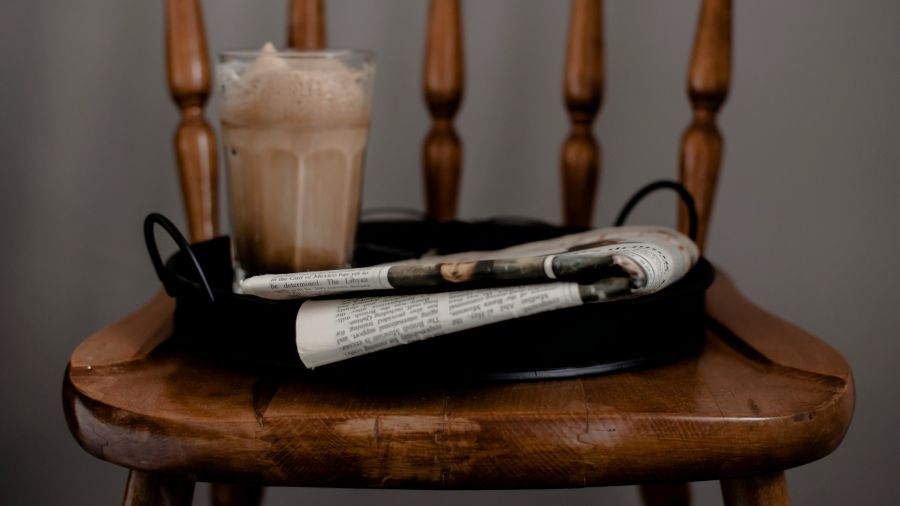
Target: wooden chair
762 397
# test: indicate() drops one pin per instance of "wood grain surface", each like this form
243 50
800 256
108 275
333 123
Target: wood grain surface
763 396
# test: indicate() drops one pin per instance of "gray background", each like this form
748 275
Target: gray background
806 217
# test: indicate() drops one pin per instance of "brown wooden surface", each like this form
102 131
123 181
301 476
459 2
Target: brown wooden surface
306 24
151 489
443 82
708 80
130 339
187 62
583 90
766 490
763 396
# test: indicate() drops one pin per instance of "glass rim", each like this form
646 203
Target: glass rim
320 54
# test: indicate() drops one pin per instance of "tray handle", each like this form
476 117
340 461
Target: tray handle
164 274
678 188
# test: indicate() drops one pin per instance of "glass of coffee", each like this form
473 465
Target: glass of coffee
294 128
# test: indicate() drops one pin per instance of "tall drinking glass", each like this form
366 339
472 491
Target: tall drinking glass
294 126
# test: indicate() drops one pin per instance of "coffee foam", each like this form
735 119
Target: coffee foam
275 89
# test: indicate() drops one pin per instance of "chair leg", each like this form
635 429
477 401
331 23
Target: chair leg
768 490
666 494
236 494
153 489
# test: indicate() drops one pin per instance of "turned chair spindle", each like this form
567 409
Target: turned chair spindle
708 79
306 24
443 80
195 141
583 90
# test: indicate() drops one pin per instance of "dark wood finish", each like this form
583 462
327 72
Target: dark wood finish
130 339
583 90
443 80
666 494
306 24
152 489
762 396
708 80
767 490
195 141
236 494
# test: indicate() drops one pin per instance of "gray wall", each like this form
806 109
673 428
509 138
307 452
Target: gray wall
811 167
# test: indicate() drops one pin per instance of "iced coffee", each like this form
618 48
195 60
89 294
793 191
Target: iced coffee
294 128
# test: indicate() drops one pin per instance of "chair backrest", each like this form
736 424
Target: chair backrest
701 144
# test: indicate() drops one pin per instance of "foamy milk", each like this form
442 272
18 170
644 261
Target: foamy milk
294 126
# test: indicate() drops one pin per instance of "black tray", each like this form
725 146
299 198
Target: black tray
589 339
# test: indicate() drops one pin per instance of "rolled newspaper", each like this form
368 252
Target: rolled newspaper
594 266
649 254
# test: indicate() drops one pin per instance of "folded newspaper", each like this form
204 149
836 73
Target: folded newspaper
466 290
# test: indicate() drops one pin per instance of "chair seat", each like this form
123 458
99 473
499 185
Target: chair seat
762 396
